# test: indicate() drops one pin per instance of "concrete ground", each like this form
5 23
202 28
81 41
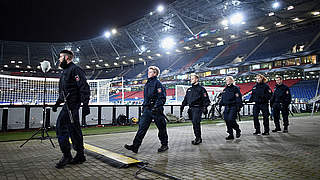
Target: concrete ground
293 155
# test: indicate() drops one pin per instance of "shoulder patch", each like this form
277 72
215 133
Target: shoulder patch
205 94
237 94
287 92
270 91
159 90
77 78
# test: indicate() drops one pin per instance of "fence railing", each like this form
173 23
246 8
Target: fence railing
30 116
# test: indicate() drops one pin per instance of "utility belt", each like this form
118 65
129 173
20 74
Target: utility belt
195 106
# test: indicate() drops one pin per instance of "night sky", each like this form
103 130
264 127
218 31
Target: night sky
68 20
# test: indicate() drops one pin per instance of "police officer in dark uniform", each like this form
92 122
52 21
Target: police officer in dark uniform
73 90
280 102
197 99
154 99
261 94
232 100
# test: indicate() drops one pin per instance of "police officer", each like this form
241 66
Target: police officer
197 99
261 94
280 102
74 88
154 99
232 100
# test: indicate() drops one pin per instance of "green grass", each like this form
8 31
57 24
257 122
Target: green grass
23 135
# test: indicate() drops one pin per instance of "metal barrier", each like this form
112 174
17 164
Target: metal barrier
30 116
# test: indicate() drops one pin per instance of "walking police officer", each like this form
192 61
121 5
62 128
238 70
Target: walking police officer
197 99
261 94
280 102
232 100
73 90
154 99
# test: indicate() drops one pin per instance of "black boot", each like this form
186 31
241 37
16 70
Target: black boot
238 133
163 148
196 141
131 148
266 133
230 137
78 159
276 130
257 133
285 129
66 159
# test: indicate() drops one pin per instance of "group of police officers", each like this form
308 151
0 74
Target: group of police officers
74 90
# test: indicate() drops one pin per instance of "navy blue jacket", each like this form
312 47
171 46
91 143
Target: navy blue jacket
196 96
231 96
154 93
261 93
281 95
73 82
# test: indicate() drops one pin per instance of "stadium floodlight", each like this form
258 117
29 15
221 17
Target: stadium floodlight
141 59
5 66
160 8
28 66
271 14
225 28
289 8
167 43
107 34
97 65
12 62
87 66
261 28
93 61
296 19
275 5
149 57
177 50
38 67
232 36
131 60
117 58
158 54
220 39
225 22
315 13
197 45
142 48
114 31
151 13
115 63
106 64
19 62
168 52
100 60
236 18
123 62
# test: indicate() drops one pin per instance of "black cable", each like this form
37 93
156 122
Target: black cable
153 171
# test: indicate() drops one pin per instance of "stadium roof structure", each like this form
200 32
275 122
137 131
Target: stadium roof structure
192 24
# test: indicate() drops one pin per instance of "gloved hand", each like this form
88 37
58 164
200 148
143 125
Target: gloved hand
85 109
181 108
205 110
55 107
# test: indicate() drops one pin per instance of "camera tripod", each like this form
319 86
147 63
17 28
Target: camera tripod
43 130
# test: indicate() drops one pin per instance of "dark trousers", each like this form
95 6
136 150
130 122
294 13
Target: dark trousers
66 129
265 113
277 107
144 124
230 116
196 113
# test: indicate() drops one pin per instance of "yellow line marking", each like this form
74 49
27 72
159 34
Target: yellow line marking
115 156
